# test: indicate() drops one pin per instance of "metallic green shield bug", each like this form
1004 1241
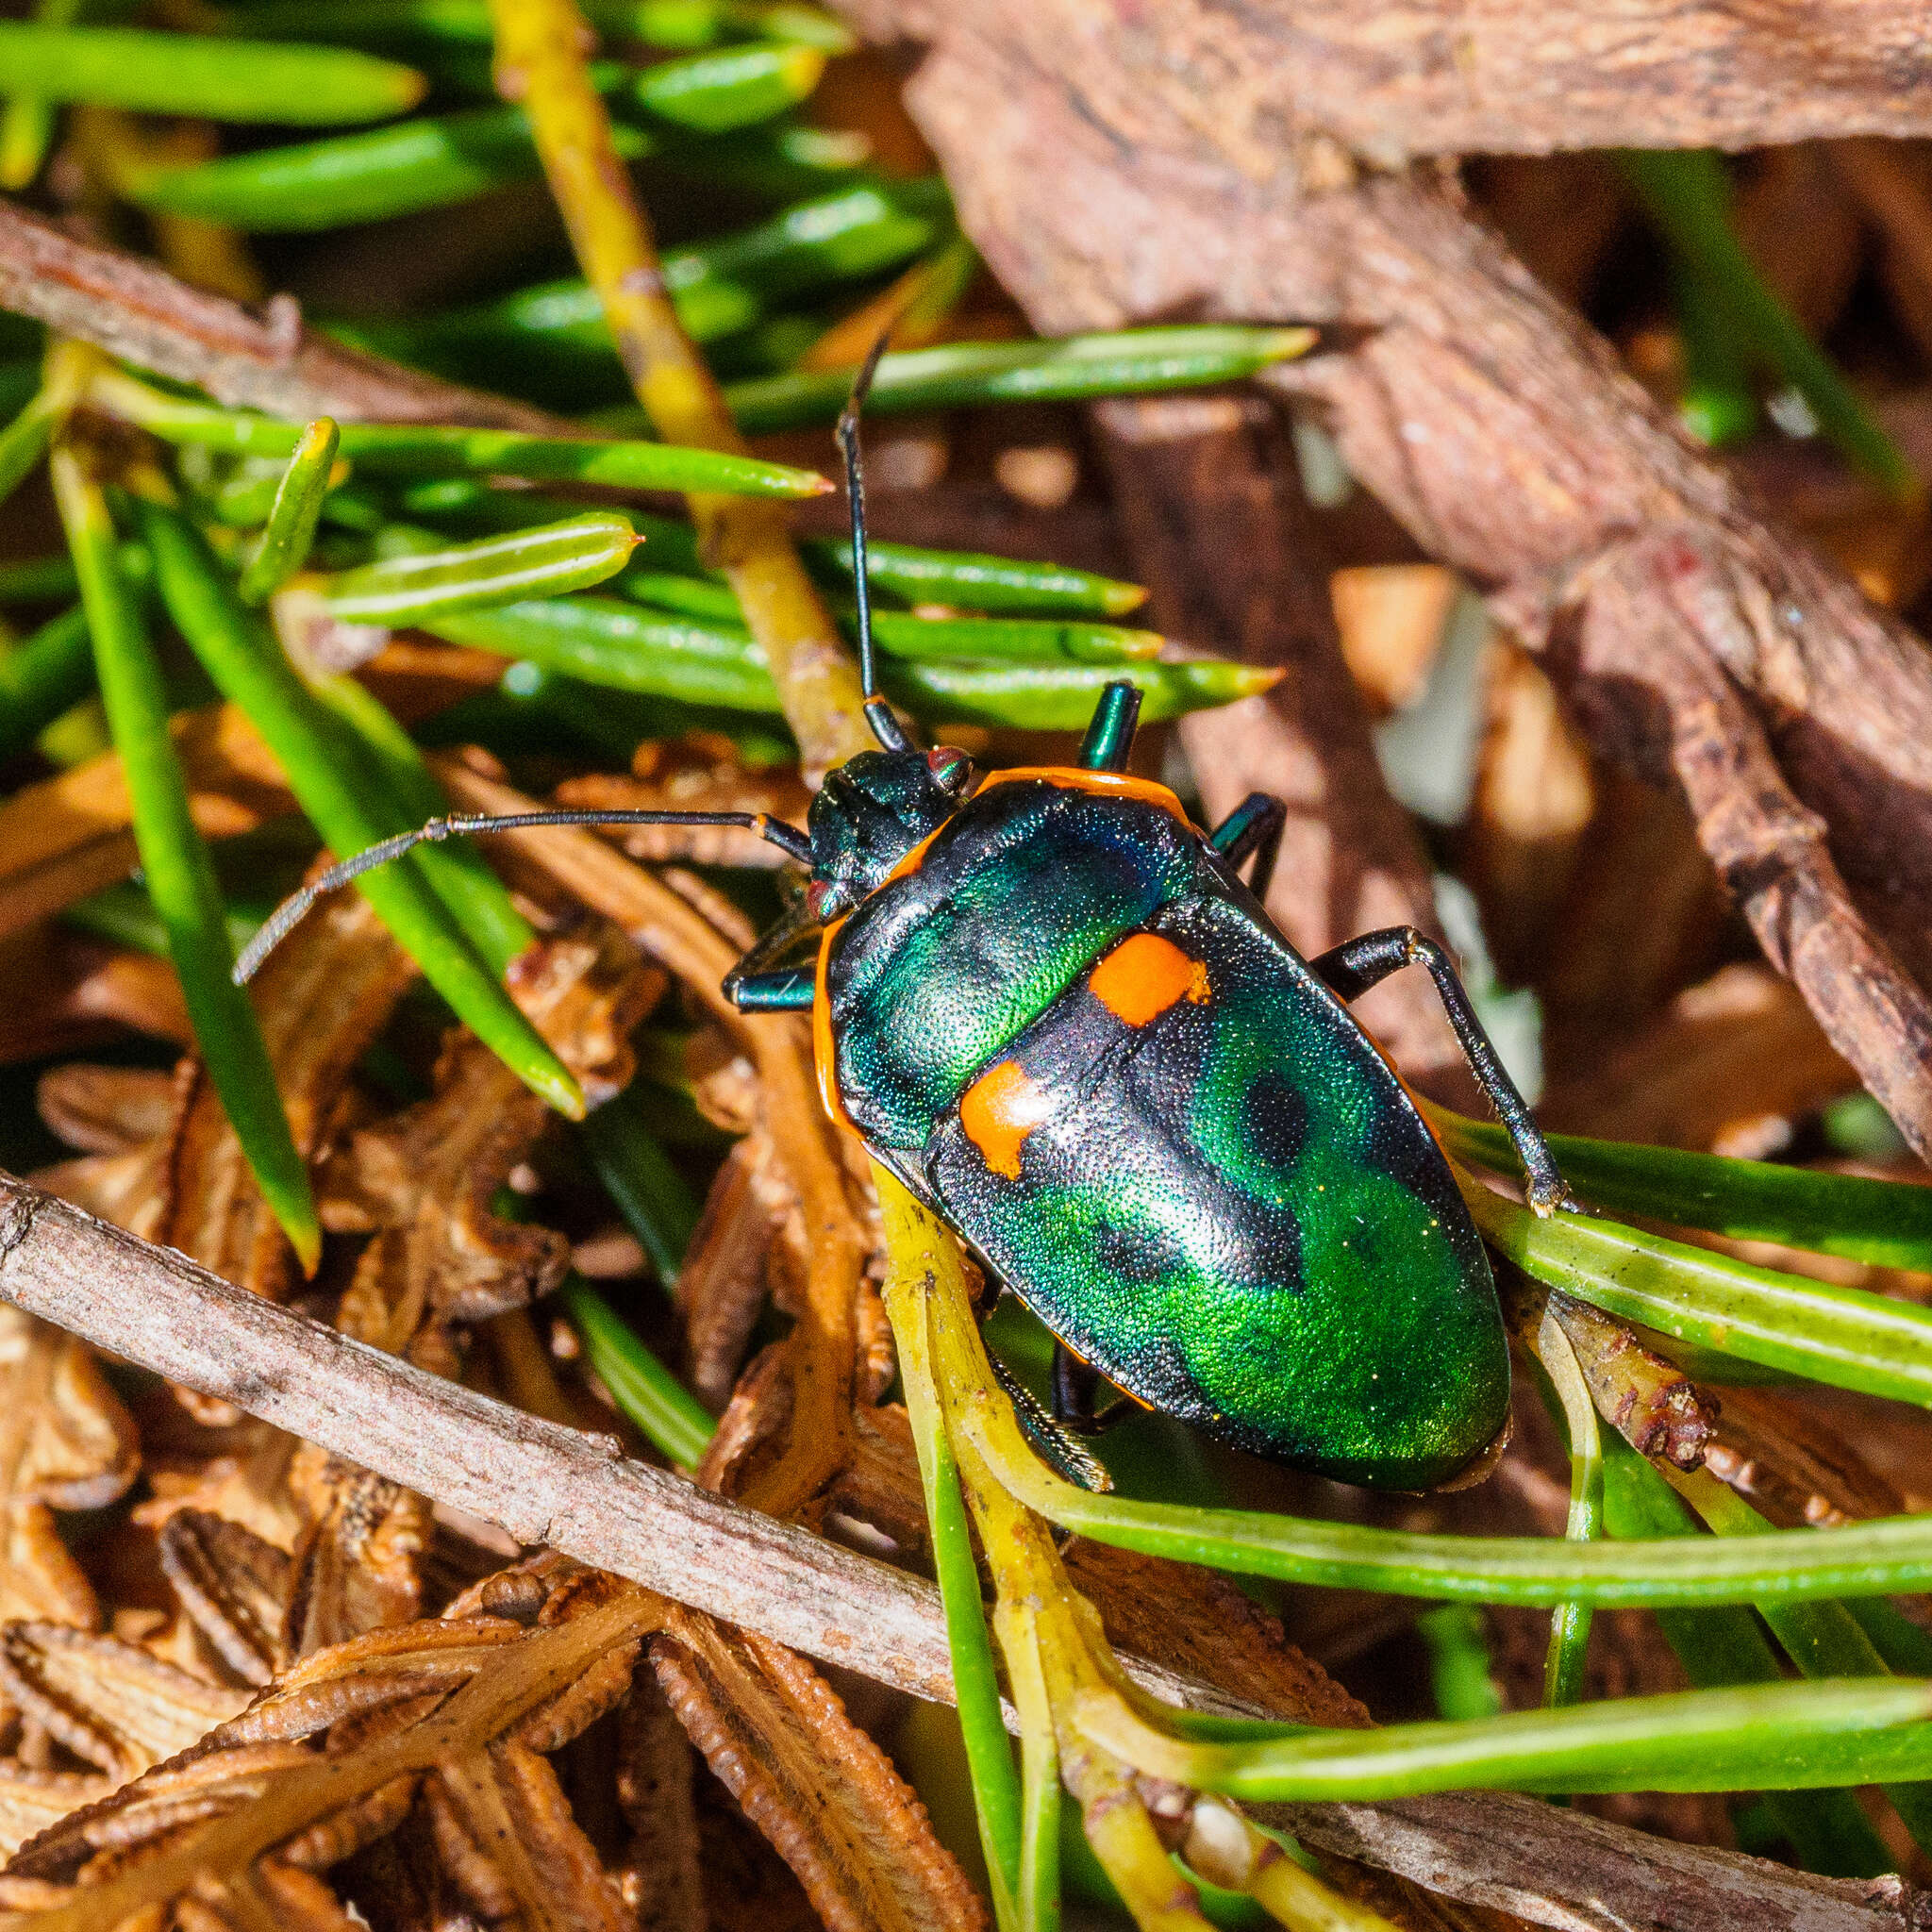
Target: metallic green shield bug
1051 1006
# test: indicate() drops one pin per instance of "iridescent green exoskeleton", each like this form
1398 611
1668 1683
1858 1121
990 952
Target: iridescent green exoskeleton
1050 1005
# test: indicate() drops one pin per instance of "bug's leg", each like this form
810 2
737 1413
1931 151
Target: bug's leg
1253 826
784 990
756 986
1350 969
1075 1386
1110 735
1052 1443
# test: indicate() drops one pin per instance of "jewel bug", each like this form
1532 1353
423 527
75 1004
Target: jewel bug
1053 1008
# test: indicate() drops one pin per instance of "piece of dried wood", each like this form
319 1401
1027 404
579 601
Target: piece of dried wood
550 1484
1472 1847
544 1484
1500 77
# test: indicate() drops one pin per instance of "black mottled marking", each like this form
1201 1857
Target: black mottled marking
1274 1119
1132 1254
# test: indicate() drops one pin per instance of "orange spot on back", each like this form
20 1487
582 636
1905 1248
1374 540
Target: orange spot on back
999 1111
1144 975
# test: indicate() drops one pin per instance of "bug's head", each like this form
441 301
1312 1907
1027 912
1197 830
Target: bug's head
872 811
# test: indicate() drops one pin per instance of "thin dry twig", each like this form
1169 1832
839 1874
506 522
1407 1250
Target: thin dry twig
575 1492
272 361
544 1484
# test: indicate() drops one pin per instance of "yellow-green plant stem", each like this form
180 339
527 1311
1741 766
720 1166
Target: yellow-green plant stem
180 874
996 1792
1038 1898
1570 1621
283 546
539 59
1769 1736
1864 1559
25 440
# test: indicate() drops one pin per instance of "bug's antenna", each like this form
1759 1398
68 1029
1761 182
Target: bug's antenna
290 913
878 714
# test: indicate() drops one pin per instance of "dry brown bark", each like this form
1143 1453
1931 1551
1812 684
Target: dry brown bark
269 361
1411 77
1090 173
575 1492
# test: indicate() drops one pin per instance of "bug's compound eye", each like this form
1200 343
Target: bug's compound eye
815 896
949 767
